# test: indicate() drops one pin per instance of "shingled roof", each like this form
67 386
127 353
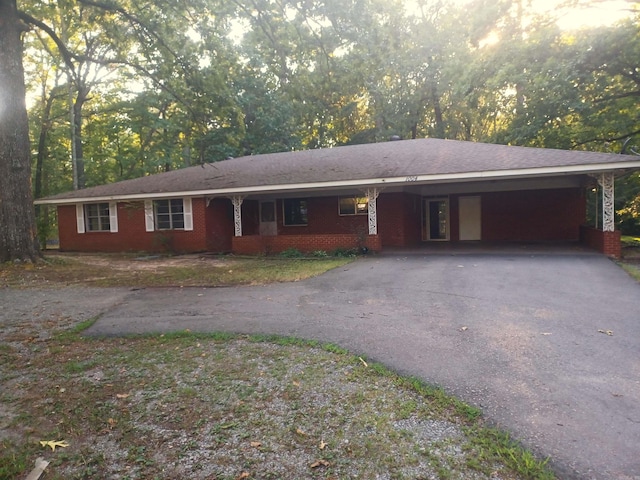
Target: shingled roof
423 161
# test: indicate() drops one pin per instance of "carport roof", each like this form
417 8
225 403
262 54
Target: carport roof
420 161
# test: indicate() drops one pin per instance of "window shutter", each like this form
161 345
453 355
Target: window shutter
188 215
113 217
80 217
148 216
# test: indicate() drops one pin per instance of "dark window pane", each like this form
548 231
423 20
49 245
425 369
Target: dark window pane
295 211
347 206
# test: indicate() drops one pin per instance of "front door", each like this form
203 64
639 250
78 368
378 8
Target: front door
470 215
268 224
435 219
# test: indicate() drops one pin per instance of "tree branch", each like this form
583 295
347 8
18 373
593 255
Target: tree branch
135 21
67 56
618 96
609 139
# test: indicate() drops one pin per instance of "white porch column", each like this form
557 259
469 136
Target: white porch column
237 214
372 197
606 181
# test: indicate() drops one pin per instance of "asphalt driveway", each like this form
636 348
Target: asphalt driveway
519 335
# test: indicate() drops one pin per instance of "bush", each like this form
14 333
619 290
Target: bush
320 254
291 253
345 252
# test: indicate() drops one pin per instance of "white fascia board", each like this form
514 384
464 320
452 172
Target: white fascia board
368 182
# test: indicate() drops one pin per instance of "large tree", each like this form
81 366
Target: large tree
17 219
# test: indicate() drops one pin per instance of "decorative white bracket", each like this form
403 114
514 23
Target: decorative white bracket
606 181
237 214
372 197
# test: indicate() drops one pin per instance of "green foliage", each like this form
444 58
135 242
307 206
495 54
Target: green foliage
224 79
345 252
14 459
291 253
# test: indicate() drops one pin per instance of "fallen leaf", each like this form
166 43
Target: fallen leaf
322 445
318 463
300 432
112 422
464 329
243 475
54 443
606 332
122 395
256 444
296 384
363 362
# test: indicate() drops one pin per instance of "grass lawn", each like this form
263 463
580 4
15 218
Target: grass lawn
631 256
222 406
119 270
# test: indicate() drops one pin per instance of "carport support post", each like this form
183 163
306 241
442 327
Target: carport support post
606 181
237 214
372 197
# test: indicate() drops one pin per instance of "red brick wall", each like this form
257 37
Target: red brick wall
506 216
532 215
605 242
219 225
323 218
399 221
257 244
131 235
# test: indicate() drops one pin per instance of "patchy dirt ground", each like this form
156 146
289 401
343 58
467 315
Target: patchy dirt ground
214 407
147 262
119 270
211 408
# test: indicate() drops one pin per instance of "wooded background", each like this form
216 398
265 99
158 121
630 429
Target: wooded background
123 88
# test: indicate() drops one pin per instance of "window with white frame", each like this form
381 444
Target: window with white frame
294 212
168 214
97 217
353 205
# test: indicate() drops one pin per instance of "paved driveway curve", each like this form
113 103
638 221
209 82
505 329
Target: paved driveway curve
517 335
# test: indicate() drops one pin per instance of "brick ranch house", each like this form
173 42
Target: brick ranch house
392 194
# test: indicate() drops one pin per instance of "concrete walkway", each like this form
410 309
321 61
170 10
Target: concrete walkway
518 334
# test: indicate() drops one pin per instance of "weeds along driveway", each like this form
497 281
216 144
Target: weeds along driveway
521 336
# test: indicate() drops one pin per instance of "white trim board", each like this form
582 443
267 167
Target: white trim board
409 180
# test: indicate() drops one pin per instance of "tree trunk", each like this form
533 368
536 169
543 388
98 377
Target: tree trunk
45 126
439 130
78 105
17 219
